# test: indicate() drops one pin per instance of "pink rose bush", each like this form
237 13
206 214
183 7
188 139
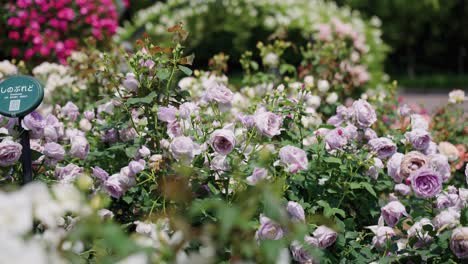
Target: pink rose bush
180 166
39 30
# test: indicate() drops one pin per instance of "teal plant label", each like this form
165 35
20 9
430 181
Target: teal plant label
20 95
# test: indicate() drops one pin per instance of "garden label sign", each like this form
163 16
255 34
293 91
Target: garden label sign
19 96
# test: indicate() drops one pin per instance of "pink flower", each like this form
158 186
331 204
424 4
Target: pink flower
267 123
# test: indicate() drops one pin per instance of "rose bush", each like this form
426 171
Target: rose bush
175 166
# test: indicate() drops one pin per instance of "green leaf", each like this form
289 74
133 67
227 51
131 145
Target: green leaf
163 74
35 154
142 100
185 70
332 160
131 151
127 199
369 188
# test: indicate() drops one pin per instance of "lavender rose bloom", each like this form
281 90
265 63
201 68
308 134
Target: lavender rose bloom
448 218
167 114
114 186
459 242
393 167
350 132
402 189
419 138
100 173
187 109
294 158
440 163
246 120
411 162
268 230
417 230
136 166
295 211
130 82
325 236
68 173
364 113
300 254
79 147
426 183
392 212
223 141
382 235
258 174
35 123
10 153
369 134
268 124
374 170
54 151
336 139
71 111
183 148
221 94
384 147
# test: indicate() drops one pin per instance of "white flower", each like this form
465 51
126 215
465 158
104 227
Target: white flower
456 96
271 59
186 82
309 80
323 85
332 98
14 250
313 101
7 69
15 214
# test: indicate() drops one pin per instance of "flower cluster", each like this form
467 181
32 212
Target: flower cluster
43 29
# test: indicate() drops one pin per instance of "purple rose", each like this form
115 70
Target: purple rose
79 147
100 173
295 211
127 134
383 147
109 135
459 242
187 109
419 138
350 132
68 173
220 94
34 123
445 200
258 175
374 170
382 235
300 254
183 148
325 236
246 120
114 186
392 212
419 122
417 230
369 134
295 159
167 114
136 166
174 129
449 218
364 113
426 183
440 164
393 167
404 110
71 111
268 230
267 123
336 139
10 153
223 141
402 189
90 115
335 120
143 152
411 162
54 151
130 83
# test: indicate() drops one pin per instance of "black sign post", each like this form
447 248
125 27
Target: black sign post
19 96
